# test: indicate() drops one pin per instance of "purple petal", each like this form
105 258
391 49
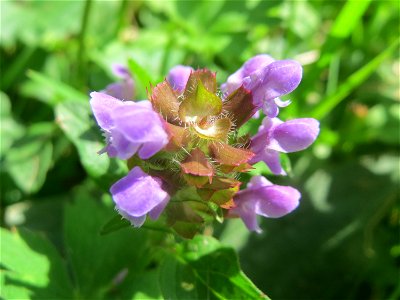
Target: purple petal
281 78
281 103
252 65
263 138
277 201
256 114
121 147
256 63
156 211
271 158
178 77
265 199
150 148
246 211
135 123
270 108
258 181
121 71
294 135
102 106
135 221
140 125
121 90
137 194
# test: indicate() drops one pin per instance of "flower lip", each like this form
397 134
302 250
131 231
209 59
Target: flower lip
296 135
129 126
138 194
275 136
264 199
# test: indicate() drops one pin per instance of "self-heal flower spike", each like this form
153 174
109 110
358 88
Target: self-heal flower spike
276 136
267 80
137 195
187 145
263 198
129 126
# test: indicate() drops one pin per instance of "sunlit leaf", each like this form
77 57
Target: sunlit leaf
33 267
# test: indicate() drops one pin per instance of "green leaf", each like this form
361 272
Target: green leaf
141 286
205 269
74 119
110 256
31 157
348 18
32 268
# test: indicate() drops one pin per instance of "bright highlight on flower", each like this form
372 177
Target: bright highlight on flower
185 153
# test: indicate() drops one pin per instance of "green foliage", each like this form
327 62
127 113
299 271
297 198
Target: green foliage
31 267
204 269
69 243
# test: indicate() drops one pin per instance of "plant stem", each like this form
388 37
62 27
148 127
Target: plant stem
81 40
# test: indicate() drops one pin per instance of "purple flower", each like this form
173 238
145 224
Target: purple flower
263 198
275 136
137 195
267 80
121 90
129 126
178 77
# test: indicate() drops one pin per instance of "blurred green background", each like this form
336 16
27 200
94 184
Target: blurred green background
343 240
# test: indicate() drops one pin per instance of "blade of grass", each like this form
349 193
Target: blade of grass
349 16
342 28
351 83
17 67
81 58
140 73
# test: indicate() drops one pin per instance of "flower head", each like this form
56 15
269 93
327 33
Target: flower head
137 195
129 126
263 198
187 139
276 136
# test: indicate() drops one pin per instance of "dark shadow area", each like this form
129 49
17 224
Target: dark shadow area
339 249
